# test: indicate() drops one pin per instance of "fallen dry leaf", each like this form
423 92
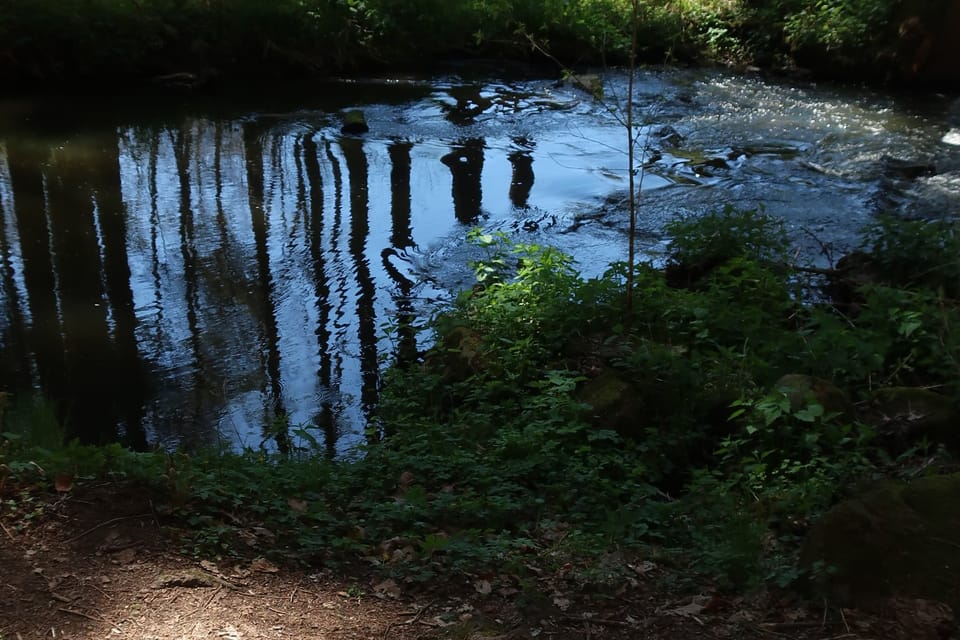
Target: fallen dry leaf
406 479
386 589
693 609
741 617
300 506
63 482
125 556
263 566
210 566
264 533
239 572
642 568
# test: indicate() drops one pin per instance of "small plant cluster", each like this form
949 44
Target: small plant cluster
688 427
541 427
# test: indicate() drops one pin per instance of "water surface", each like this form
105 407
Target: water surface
189 272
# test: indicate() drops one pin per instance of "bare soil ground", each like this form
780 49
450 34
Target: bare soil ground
98 563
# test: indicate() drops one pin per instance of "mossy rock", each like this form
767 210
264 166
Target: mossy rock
354 121
903 416
459 355
895 540
614 403
593 353
803 390
587 82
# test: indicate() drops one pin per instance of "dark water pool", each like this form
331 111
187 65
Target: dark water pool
191 273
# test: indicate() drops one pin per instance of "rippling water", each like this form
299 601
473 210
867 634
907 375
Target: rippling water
188 273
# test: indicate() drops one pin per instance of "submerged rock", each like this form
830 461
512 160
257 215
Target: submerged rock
669 136
588 82
906 169
705 167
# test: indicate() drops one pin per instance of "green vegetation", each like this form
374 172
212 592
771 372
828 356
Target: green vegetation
106 42
540 431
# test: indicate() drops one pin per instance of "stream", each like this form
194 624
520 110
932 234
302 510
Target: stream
197 272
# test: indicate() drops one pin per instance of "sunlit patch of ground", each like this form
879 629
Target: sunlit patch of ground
97 562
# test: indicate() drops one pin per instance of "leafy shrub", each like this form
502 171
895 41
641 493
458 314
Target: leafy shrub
844 26
530 299
915 253
718 236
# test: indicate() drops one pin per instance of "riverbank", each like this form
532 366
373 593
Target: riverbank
97 562
109 44
557 454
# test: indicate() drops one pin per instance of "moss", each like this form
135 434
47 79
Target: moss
803 389
614 404
354 121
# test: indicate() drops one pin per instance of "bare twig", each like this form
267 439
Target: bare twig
74 612
386 632
212 596
944 541
761 629
611 110
787 626
825 249
844 618
536 47
102 592
631 240
420 612
7 531
601 621
206 602
310 593
106 524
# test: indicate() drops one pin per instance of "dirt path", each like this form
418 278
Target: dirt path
97 563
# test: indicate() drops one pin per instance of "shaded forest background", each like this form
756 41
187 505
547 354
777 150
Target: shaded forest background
106 43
